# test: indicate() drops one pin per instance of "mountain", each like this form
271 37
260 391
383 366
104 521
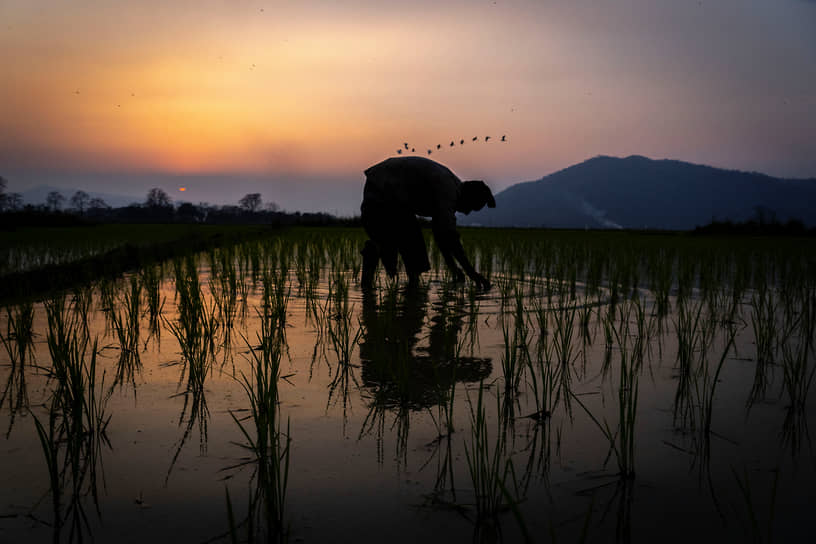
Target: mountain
638 192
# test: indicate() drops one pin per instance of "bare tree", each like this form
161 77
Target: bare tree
250 202
157 198
54 201
13 202
79 201
97 203
272 207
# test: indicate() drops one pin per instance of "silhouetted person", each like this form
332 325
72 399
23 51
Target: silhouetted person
396 191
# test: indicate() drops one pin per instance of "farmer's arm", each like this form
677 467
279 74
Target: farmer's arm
447 238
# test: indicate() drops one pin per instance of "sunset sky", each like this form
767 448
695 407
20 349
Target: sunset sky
295 99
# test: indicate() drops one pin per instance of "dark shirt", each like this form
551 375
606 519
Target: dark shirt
418 185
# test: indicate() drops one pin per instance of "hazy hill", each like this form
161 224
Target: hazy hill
637 192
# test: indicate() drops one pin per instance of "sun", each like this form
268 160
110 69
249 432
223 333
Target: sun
182 189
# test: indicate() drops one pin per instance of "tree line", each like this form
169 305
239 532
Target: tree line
157 207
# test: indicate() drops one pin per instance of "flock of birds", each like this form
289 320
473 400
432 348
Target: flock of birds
406 147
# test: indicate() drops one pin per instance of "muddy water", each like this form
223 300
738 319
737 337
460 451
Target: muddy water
367 460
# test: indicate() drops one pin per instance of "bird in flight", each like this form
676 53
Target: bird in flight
439 146
405 144
451 143
504 138
475 138
429 152
487 138
399 151
462 142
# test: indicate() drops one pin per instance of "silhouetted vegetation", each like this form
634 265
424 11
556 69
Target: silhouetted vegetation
157 208
765 223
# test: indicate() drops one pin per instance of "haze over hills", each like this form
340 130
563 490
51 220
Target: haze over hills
638 192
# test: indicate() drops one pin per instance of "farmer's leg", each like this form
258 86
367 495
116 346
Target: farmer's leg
412 248
371 258
381 246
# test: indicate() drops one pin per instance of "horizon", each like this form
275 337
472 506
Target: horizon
295 101
179 197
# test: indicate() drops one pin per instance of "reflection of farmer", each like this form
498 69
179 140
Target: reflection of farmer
395 370
399 189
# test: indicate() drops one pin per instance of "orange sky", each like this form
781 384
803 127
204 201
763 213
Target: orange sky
326 89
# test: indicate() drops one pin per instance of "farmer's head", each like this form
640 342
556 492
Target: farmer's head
474 196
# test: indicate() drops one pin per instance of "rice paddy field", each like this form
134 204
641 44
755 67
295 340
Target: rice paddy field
608 387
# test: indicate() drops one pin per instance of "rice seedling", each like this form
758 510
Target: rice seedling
266 443
224 293
274 301
195 330
81 304
513 361
444 491
689 344
77 426
151 280
627 400
622 439
797 379
341 332
19 344
563 347
545 373
705 388
763 323
492 474
126 326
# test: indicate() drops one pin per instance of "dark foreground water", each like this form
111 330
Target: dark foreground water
371 458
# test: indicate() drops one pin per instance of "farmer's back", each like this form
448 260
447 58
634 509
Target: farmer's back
415 184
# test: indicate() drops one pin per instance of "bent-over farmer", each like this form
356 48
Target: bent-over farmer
396 191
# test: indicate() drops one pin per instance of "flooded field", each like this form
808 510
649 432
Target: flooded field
609 387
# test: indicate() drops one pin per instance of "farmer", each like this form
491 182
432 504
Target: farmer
396 191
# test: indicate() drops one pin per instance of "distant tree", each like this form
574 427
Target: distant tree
97 203
54 201
272 207
157 198
190 213
79 201
13 202
251 202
